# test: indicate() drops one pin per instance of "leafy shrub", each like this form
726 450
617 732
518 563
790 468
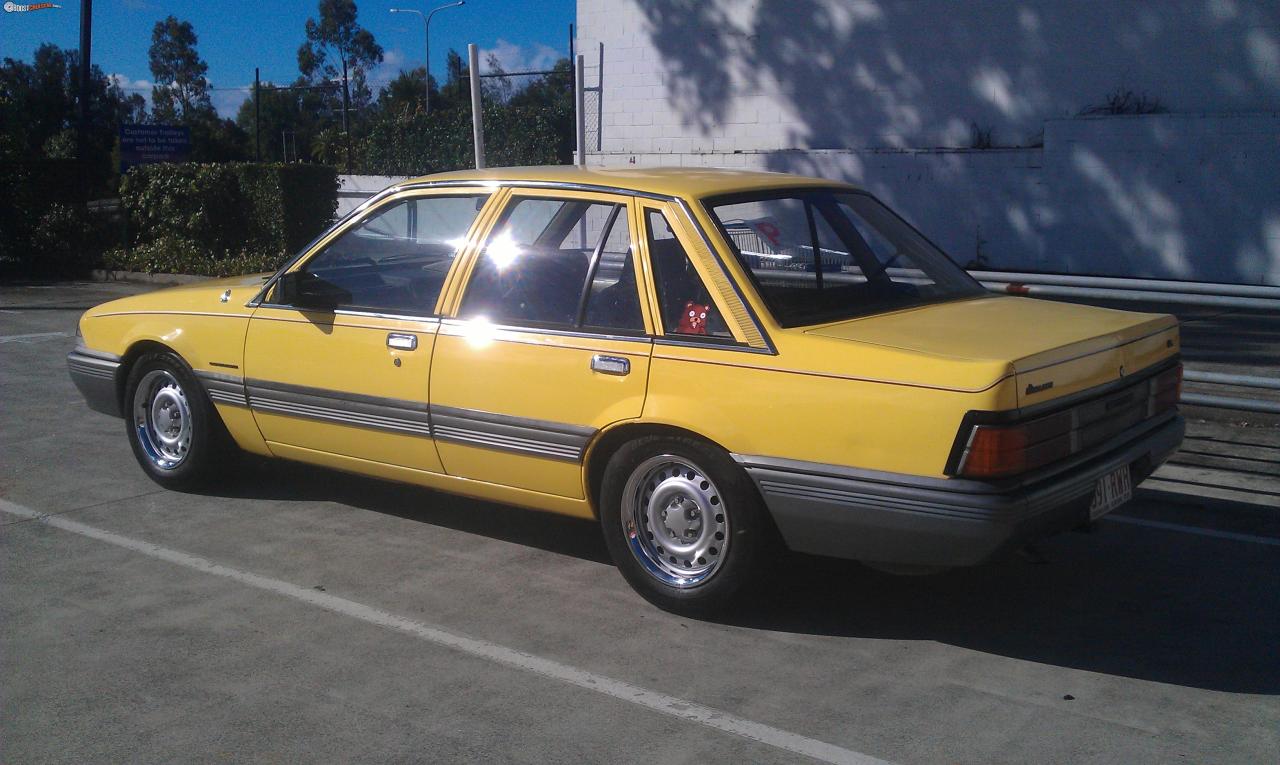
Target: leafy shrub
175 255
67 241
211 219
417 144
28 191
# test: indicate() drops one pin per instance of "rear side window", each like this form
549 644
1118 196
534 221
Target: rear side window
686 304
557 263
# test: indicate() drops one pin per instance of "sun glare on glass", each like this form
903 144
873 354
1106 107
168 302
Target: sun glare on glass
503 251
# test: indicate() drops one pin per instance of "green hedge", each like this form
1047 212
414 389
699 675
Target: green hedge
42 216
222 218
419 144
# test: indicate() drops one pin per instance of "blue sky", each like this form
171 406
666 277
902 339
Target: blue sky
236 37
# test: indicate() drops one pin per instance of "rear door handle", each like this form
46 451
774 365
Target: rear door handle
611 365
401 341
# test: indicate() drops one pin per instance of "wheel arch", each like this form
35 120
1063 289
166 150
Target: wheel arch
607 443
130 357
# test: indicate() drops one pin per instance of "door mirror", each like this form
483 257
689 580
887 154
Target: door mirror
308 292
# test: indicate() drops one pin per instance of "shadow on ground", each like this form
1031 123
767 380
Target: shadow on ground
1147 604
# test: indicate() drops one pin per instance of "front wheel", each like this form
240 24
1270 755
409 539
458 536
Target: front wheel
683 523
174 430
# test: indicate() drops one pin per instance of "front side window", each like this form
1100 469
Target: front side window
820 256
396 259
557 263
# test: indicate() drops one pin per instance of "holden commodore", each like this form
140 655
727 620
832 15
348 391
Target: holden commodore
714 365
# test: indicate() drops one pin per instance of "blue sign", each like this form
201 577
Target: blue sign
148 144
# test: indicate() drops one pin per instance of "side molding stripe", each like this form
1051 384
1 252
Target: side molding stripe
469 427
223 389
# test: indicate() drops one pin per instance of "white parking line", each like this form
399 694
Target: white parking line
482 649
36 336
1198 531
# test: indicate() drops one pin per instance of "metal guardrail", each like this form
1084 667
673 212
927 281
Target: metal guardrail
1132 284
1241 296
1231 402
1246 381
1264 406
1178 298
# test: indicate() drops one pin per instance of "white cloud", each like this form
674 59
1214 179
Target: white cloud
227 102
131 85
393 61
520 58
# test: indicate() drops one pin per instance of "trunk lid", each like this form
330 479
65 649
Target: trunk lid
1055 349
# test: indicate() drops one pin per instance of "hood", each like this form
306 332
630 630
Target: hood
202 297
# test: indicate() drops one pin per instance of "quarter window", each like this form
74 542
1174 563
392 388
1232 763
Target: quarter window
557 263
687 307
396 260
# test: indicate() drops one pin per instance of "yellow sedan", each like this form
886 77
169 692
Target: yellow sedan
716 365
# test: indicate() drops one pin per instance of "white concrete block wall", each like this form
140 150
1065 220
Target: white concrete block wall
882 92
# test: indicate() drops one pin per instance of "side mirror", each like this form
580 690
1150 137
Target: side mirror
308 292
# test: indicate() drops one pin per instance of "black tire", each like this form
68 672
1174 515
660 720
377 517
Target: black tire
725 521
160 382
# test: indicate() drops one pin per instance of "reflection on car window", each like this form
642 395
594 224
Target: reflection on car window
396 259
557 263
613 301
687 307
820 256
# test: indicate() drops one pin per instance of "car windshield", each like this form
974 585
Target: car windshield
823 255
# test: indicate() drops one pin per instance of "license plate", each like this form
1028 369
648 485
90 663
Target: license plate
1113 490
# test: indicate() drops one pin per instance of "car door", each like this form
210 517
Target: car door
548 342
337 357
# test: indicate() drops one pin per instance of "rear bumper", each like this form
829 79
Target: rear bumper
96 375
912 520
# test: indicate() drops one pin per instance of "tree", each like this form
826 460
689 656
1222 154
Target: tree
338 45
181 94
403 95
457 87
38 111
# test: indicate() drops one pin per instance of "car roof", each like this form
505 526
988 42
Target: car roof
687 182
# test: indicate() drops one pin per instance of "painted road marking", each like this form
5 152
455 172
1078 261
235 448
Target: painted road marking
36 336
1198 531
482 649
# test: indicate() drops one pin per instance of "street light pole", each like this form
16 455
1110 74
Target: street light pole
426 28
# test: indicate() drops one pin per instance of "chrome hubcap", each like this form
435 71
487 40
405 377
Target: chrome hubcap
162 419
675 521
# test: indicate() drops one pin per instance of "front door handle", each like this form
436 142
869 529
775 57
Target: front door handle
610 365
401 341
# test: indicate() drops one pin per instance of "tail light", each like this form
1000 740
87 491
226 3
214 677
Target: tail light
1000 451
996 451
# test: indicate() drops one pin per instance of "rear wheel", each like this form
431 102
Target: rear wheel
174 430
683 523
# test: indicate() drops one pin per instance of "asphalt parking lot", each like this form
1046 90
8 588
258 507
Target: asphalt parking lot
294 614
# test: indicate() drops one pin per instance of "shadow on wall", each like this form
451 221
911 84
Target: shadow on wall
869 89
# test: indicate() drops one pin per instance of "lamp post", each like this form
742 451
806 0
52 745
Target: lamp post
426 25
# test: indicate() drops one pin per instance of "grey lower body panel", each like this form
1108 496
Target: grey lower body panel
96 375
486 430
887 518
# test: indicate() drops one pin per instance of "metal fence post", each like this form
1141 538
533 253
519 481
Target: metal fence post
477 122
579 107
